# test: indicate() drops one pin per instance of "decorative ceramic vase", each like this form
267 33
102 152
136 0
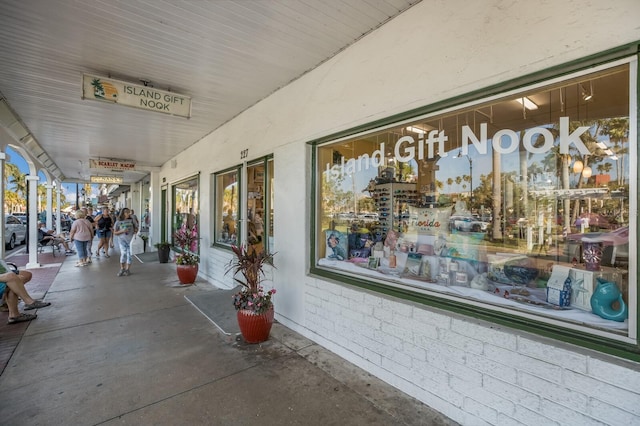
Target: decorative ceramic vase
592 255
604 296
255 328
187 273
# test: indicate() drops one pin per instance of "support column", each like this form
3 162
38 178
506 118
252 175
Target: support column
154 209
58 209
32 183
2 188
49 211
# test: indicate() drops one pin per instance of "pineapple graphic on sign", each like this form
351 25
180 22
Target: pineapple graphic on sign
104 91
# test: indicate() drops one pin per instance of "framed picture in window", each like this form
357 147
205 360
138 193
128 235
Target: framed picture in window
374 262
258 175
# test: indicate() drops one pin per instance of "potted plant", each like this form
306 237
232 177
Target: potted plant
164 249
253 305
145 240
187 260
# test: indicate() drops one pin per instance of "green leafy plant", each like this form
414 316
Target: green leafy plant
250 263
163 244
187 240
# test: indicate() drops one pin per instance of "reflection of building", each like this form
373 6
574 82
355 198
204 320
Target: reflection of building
600 180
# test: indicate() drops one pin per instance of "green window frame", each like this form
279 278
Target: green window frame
578 75
186 206
237 221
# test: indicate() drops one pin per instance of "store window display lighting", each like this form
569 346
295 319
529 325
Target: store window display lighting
519 205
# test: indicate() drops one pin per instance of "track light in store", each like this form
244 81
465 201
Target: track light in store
527 103
416 130
587 95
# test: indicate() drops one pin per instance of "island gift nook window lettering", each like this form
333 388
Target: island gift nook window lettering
485 203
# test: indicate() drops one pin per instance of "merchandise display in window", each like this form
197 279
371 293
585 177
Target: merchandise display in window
513 204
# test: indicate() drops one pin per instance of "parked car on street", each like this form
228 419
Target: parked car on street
467 224
22 217
14 231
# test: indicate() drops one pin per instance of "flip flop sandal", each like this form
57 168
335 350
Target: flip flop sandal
37 304
21 318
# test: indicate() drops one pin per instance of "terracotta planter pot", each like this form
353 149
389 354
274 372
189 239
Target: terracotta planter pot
187 273
255 328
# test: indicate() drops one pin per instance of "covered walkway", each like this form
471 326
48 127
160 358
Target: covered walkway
133 350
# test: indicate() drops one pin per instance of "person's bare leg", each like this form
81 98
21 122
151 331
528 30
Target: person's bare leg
16 285
12 302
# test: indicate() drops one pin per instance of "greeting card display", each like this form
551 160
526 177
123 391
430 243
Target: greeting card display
337 245
559 286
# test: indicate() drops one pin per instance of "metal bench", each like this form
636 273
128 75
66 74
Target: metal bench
50 243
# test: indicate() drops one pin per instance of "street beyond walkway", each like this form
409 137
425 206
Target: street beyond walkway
132 350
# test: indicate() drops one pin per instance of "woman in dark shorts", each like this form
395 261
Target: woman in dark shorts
103 223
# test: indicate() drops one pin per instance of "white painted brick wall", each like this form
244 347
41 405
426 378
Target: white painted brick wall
474 372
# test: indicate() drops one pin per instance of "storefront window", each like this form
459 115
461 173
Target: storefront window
227 207
185 205
258 231
520 203
259 204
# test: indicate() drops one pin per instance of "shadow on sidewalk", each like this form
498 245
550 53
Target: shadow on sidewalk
10 335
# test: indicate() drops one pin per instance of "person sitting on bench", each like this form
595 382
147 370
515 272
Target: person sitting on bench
48 237
12 286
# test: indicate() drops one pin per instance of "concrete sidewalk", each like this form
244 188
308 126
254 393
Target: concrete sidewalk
132 350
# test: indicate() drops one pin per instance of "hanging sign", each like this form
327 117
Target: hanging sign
112 165
134 95
106 179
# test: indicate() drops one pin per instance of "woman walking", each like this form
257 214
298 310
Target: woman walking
81 234
125 228
104 223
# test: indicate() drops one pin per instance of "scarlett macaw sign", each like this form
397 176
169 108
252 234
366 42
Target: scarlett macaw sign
504 141
133 95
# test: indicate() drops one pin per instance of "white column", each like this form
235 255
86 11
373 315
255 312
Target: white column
49 222
2 158
58 209
32 183
155 208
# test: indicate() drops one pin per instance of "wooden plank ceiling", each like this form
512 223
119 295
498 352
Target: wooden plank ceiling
226 55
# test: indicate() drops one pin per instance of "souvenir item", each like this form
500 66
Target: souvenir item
559 286
604 296
461 279
480 282
453 271
592 254
336 245
428 221
520 271
413 265
392 260
495 268
373 263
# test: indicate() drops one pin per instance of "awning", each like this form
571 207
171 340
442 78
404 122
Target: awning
119 190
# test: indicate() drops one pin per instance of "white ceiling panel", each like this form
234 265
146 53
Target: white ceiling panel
226 55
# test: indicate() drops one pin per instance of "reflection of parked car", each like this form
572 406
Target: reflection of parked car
467 224
14 231
22 217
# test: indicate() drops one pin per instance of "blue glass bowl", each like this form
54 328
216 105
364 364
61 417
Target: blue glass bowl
520 274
